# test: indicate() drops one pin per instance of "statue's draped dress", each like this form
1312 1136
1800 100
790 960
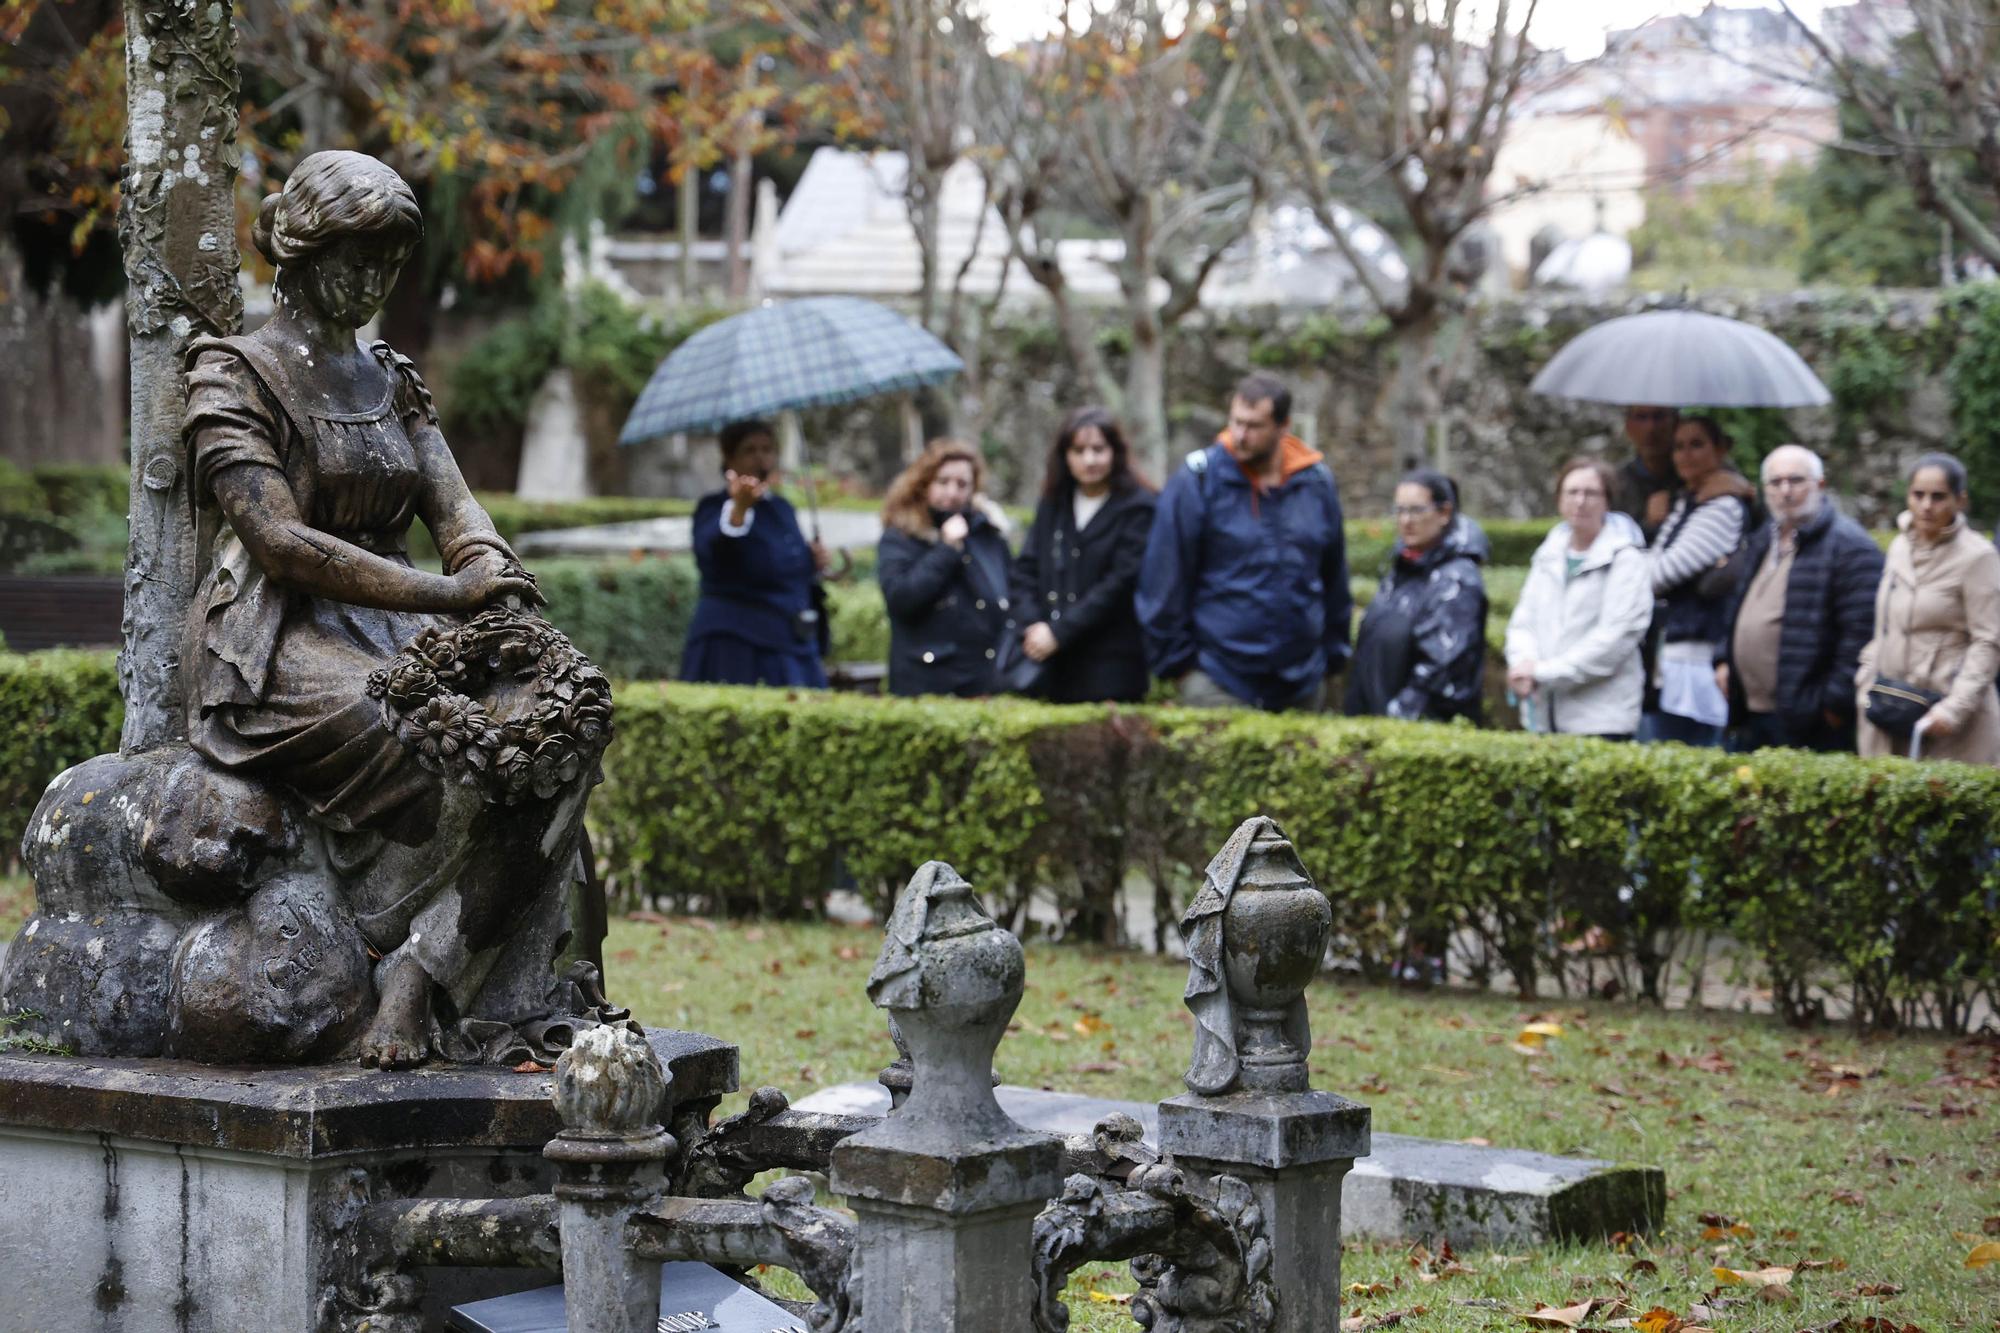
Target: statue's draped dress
277 678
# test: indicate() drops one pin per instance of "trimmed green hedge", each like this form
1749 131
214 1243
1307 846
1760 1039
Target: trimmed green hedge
56 709
1371 541
1877 876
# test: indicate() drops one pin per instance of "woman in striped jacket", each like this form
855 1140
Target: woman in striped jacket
1709 519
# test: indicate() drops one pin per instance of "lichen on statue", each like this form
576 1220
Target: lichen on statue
439 735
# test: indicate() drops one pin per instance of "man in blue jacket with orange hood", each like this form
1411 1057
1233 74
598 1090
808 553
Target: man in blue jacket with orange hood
1243 595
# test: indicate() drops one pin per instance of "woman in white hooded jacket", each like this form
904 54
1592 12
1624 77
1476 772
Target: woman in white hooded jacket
1573 641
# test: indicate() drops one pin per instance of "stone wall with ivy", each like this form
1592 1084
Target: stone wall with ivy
1910 371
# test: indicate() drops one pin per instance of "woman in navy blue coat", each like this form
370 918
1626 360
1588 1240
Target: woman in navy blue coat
760 620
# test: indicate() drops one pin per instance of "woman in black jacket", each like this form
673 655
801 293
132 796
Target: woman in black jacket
1074 579
943 569
1421 649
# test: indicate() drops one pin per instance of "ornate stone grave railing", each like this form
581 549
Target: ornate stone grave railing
965 1222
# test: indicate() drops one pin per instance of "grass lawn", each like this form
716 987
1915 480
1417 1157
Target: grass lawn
1875 1160
1871 1166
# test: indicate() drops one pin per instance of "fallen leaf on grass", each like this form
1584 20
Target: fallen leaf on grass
1366 1288
1852 1198
1368 1323
1833 1265
1112 1297
1991 1226
1659 1320
1568 1316
1778 1293
1983 1255
1878 1289
1646 1266
1756 1277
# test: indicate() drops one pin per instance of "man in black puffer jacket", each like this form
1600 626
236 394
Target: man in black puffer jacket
1802 610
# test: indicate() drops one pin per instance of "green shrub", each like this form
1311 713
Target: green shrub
83 490
1371 541
56 709
1878 876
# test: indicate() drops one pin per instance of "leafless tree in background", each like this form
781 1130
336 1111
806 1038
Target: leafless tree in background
1926 78
1414 96
1130 119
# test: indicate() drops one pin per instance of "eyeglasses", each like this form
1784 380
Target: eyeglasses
1413 511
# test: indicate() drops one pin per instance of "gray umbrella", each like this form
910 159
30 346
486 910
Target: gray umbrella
1681 358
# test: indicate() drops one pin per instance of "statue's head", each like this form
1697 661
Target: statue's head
339 233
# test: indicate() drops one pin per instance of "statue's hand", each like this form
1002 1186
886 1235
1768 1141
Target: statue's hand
492 578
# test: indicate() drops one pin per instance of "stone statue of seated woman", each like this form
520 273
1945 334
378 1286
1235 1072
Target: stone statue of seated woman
369 845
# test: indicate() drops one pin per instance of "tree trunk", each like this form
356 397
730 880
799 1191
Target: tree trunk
1410 409
1146 394
178 227
927 216
687 198
1146 369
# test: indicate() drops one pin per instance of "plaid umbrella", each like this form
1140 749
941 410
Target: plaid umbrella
810 353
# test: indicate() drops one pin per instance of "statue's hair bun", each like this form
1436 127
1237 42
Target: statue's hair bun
264 232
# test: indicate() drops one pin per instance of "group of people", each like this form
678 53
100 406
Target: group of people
1673 601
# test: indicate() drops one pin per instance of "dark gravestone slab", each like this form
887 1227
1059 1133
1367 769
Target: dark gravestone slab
1406 1188
694 1298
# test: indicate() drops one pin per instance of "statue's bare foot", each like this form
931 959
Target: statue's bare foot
399 1036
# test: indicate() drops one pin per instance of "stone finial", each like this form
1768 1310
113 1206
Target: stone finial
1255 935
609 1084
951 977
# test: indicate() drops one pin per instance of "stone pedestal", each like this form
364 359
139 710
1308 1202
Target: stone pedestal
945 1234
159 1196
1292 1149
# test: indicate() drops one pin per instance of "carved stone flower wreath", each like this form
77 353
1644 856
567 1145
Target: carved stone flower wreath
429 696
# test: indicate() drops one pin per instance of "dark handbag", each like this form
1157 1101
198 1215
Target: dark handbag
1896 707
1725 576
1014 670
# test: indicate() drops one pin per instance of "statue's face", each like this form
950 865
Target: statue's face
349 280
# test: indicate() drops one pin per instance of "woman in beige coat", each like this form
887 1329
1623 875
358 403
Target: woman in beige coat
1937 623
